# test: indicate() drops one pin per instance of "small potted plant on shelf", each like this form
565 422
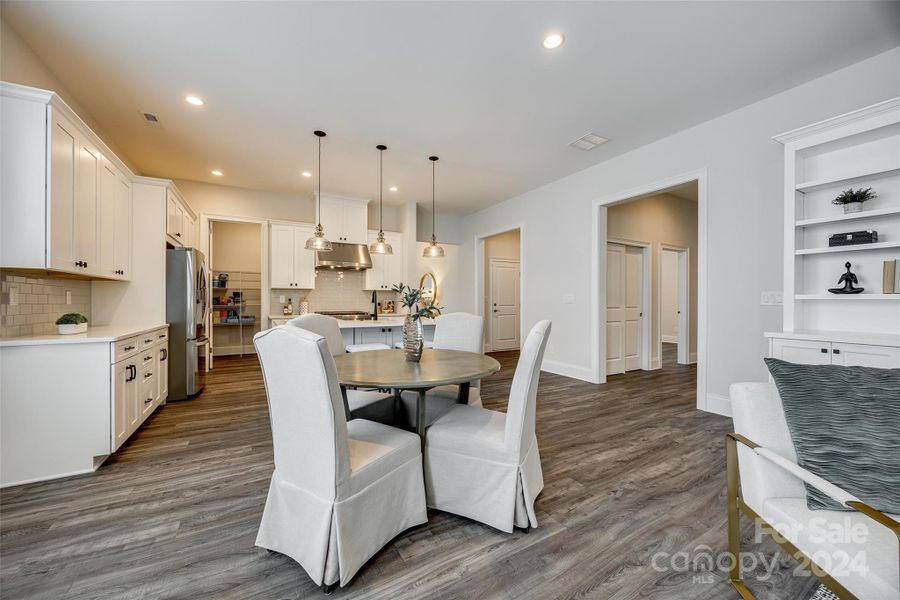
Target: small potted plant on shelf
852 200
71 323
413 332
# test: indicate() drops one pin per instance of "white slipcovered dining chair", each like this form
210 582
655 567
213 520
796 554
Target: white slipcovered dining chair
453 331
328 328
341 490
484 464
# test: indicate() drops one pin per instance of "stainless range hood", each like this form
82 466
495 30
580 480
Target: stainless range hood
345 257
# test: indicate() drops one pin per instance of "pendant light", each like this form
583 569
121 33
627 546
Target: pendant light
380 246
432 250
318 241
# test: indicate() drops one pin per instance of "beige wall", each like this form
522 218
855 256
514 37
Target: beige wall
236 246
504 245
661 219
19 64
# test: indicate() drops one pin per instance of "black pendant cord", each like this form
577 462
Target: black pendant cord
381 189
433 160
320 135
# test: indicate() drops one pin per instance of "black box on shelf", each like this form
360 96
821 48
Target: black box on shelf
852 238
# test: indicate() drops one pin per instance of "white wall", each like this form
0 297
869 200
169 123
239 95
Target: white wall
236 246
448 273
659 219
744 222
668 296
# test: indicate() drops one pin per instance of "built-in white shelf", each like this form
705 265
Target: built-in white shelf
863 296
849 178
865 214
851 248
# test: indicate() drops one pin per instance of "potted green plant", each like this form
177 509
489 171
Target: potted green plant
413 332
71 323
852 200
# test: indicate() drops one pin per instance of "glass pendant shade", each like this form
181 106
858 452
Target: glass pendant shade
432 250
380 246
318 241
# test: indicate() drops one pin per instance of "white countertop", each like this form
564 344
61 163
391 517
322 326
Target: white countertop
94 335
383 321
844 337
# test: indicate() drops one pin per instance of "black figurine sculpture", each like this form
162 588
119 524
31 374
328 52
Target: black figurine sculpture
848 279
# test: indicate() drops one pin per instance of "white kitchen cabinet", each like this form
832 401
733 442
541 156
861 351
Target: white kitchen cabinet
54 208
374 335
345 220
291 265
114 223
833 348
387 269
181 222
124 401
162 372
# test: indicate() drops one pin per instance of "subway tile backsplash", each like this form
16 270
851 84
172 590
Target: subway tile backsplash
30 304
335 290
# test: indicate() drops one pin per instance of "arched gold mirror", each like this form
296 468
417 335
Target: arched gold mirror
428 285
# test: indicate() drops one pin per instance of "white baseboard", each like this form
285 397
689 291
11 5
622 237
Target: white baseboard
718 404
669 339
567 370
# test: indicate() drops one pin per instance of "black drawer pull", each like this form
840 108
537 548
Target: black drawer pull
824 350
148 400
162 335
146 375
128 348
836 351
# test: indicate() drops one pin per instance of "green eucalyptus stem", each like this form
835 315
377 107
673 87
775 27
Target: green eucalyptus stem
411 297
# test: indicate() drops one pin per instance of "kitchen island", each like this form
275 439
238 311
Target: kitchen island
387 329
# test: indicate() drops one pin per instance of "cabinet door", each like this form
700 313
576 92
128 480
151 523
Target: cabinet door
133 398
187 230
63 168
394 264
802 351
332 219
162 373
121 376
304 260
355 222
86 203
178 222
122 220
173 220
373 335
281 260
109 192
863 355
375 275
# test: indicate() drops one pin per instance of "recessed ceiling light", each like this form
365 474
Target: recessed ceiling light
194 100
554 40
216 172
393 188
306 174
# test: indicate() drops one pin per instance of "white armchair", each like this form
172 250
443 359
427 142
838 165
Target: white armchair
484 464
327 327
341 490
765 483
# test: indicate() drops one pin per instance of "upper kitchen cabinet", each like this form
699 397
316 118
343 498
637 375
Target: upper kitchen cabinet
180 220
66 199
387 269
345 220
291 265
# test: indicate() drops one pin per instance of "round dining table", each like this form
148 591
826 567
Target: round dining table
389 369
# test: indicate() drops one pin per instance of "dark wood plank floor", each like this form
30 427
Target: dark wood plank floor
631 469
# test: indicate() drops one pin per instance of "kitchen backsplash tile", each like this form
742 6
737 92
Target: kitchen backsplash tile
335 290
40 300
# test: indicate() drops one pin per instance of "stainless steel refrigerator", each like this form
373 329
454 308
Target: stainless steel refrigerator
187 306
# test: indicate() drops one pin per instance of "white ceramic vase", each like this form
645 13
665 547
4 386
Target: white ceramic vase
70 328
853 207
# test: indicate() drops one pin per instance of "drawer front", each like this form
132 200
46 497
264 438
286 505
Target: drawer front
127 347
153 337
148 392
146 358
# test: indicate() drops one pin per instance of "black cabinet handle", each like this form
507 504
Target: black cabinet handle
824 350
128 348
165 354
147 341
133 373
162 335
177 235
146 375
148 400
836 351
146 358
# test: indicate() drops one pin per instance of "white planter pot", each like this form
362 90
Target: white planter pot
853 207
70 328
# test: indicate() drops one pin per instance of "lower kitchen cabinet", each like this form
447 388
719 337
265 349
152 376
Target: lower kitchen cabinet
71 401
851 350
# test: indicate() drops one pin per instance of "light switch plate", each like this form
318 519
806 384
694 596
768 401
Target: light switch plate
568 298
68 297
775 298
281 299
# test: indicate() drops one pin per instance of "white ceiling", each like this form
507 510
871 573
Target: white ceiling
467 81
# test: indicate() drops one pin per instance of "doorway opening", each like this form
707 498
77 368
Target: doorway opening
498 275
651 279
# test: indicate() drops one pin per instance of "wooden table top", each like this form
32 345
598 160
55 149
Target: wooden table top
389 368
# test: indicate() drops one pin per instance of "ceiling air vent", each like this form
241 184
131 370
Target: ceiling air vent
588 141
151 120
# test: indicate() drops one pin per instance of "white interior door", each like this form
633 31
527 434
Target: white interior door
624 316
504 284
